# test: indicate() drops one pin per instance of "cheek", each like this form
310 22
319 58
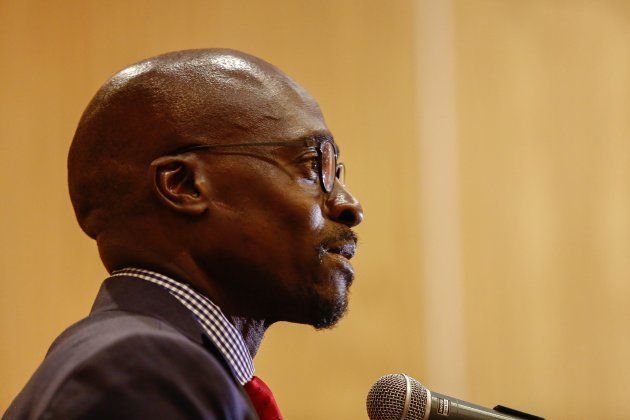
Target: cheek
301 218
306 231
316 218
293 229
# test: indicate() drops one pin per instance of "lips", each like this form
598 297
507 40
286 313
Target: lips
346 250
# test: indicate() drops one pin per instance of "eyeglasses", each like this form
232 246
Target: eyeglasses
327 153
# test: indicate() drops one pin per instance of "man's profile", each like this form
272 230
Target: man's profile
212 187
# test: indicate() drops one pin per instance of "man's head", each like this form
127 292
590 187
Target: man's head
250 226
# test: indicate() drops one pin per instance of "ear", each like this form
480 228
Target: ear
181 184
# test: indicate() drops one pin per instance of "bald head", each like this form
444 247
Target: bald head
159 105
257 229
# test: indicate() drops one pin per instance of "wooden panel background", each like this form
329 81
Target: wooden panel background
353 56
541 99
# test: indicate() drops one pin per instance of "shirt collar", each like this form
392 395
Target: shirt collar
223 334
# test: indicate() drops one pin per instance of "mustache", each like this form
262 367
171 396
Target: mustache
345 235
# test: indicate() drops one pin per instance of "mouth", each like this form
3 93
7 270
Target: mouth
346 250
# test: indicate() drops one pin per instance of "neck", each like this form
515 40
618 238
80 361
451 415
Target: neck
251 330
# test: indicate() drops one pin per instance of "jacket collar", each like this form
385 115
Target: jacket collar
128 294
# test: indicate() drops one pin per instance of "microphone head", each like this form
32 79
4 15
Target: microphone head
398 397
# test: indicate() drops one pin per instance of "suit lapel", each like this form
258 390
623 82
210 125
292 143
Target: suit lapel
130 294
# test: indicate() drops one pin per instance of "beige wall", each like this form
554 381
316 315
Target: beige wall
544 144
355 59
530 201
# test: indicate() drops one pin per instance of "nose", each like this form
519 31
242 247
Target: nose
343 207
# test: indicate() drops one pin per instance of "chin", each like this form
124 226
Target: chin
330 309
330 320
328 301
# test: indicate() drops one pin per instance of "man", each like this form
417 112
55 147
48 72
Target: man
211 185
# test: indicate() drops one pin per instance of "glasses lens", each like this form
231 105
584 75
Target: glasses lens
329 166
341 173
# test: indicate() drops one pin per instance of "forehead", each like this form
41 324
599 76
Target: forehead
228 97
260 101
282 111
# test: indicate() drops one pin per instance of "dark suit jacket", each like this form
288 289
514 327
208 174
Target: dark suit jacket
139 354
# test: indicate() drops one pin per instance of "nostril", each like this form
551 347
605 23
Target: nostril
350 217
344 208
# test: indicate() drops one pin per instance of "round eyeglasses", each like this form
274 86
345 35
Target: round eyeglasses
327 152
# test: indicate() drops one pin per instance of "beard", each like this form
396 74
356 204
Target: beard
329 312
329 307
331 304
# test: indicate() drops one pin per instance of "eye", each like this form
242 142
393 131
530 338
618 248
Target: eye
309 166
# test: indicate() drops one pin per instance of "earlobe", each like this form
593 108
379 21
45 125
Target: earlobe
180 183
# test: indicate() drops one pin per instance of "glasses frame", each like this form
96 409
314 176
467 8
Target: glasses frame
317 144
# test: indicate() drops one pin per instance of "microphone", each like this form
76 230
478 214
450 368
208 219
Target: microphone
400 397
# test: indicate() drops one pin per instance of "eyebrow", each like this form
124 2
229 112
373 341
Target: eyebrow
317 137
320 137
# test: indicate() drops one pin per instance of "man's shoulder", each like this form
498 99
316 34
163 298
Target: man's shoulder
119 333
115 362
112 329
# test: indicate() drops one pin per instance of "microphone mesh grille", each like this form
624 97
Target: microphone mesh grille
386 399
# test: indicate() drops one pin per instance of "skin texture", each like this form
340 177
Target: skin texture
250 227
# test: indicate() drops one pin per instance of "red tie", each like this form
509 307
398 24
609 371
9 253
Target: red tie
262 399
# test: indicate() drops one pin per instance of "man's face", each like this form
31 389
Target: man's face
280 243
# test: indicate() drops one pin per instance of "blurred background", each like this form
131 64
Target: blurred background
487 139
